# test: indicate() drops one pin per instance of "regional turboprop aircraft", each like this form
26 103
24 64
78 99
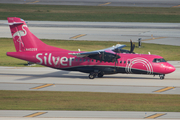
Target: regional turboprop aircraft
97 63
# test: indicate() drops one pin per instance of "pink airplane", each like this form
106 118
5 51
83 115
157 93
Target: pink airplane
97 63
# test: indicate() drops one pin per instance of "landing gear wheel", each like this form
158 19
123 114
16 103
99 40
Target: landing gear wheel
92 75
161 76
100 75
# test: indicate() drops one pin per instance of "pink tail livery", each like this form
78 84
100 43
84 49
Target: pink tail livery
24 40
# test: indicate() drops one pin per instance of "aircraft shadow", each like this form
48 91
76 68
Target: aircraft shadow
67 74
120 77
62 74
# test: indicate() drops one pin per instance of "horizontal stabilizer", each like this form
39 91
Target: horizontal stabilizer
15 23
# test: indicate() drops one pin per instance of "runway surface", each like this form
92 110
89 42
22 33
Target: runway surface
88 114
26 78
48 79
158 33
129 3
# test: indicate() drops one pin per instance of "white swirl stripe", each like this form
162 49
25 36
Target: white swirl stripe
143 61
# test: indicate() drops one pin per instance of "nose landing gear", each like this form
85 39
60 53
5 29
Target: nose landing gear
161 76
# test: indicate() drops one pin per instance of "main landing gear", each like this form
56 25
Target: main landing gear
92 75
161 76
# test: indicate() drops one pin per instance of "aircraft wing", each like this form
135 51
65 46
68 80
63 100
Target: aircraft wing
98 52
107 54
113 48
85 54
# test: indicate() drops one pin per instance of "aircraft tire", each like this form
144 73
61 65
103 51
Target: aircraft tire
92 75
100 75
161 77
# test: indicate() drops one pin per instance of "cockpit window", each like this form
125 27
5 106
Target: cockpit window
157 60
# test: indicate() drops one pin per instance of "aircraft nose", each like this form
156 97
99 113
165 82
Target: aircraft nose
171 69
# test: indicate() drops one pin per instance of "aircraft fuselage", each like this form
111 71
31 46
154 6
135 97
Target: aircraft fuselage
127 63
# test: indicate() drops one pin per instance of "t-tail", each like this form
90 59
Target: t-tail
24 40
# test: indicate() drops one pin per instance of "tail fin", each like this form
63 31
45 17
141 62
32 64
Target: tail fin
24 40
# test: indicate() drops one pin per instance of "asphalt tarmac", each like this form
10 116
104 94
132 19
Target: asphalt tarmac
26 78
127 3
158 33
48 79
87 115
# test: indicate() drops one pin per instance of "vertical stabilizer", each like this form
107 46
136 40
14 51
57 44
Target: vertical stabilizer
24 40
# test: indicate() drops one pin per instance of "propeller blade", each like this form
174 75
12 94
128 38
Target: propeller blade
132 47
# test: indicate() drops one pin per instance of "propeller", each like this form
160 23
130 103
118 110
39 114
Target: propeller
117 57
132 47
103 55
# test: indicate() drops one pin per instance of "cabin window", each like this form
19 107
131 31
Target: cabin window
157 60
80 60
92 60
88 60
124 62
84 60
128 62
76 60
120 62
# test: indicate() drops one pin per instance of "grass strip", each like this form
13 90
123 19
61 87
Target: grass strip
167 51
49 100
90 13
